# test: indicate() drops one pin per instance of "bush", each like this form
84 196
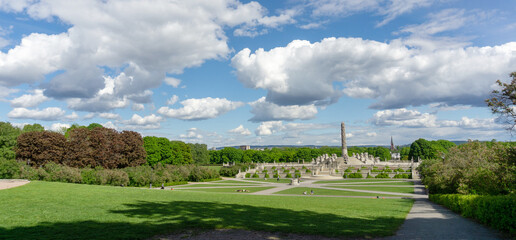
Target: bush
408 170
286 171
89 176
498 212
113 177
266 175
9 169
400 170
275 175
369 176
355 175
401 175
308 171
345 175
297 175
348 170
288 175
303 167
61 173
472 168
387 170
376 170
255 175
382 175
248 175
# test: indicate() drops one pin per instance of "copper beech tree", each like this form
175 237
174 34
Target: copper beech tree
84 147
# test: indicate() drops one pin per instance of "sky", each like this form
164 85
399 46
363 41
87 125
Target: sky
229 72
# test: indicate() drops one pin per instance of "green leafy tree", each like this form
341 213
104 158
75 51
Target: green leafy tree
8 136
94 125
503 102
199 153
33 128
71 128
182 153
233 154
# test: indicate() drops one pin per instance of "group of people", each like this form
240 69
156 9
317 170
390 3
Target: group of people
311 192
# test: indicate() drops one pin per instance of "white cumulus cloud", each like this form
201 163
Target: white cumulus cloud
47 114
266 111
147 122
30 100
304 73
240 130
172 100
199 109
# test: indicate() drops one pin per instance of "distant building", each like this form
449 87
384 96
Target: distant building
245 147
395 155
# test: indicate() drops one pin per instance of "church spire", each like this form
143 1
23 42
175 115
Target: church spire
393 148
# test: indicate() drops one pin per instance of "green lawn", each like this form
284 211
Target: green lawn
271 180
358 180
46 210
322 191
383 189
211 185
235 181
228 190
377 183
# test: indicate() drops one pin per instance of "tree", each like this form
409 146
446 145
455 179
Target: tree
33 128
8 136
94 125
199 153
503 102
421 148
182 153
38 148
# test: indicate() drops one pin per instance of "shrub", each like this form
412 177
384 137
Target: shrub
288 175
286 171
369 176
255 175
387 170
387 167
266 175
297 175
89 176
303 167
400 170
9 168
265 171
61 173
113 177
345 175
376 170
274 167
364 167
355 175
472 168
401 175
336 170
308 171
382 175
408 170
275 175
358 170
248 175
348 170
498 212
27 172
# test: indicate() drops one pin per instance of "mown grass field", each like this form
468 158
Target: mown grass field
383 189
330 192
46 210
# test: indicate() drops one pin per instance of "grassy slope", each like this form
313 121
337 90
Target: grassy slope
44 210
229 190
364 180
383 189
322 191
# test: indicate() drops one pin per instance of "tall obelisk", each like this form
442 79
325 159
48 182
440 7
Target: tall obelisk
343 139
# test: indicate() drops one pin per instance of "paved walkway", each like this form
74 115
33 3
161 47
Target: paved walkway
10 183
427 220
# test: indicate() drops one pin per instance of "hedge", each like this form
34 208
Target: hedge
498 212
355 175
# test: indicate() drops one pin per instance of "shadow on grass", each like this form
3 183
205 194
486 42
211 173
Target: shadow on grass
146 219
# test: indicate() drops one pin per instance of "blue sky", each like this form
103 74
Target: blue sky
230 72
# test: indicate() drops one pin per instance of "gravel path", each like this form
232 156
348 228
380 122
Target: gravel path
427 220
10 183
